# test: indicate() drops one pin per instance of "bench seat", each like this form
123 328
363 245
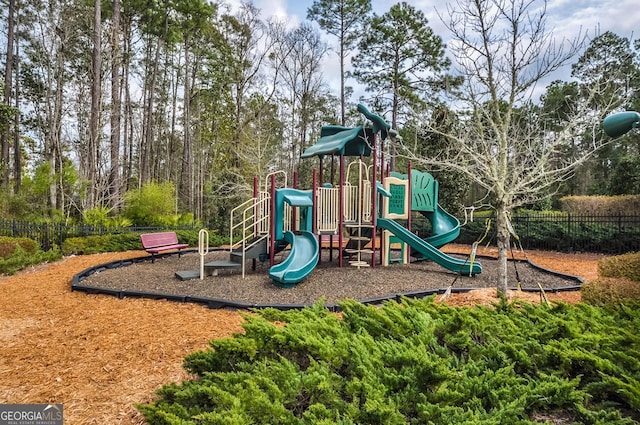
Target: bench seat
155 243
167 248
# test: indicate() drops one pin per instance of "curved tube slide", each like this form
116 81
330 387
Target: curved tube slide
301 261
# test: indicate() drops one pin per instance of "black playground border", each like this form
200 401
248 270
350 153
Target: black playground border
217 303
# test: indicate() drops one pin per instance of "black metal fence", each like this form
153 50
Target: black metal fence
567 232
608 234
49 235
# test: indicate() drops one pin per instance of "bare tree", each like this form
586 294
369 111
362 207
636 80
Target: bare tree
96 99
504 52
116 109
4 134
300 84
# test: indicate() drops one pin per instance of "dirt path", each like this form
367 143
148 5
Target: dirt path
99 355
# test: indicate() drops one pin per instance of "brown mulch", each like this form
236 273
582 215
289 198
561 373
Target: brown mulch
327 282
99 355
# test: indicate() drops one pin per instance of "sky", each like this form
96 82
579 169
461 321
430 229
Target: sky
565 18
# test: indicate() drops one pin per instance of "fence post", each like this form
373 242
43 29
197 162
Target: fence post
60 235
569 233
528 230
619 222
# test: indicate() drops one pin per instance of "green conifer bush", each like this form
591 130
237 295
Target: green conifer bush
619 281
626 265
18 253
415 362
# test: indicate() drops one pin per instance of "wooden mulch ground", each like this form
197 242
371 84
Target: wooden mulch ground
99 355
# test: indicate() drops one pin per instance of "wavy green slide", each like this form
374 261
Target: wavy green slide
445 227
301 261
429 251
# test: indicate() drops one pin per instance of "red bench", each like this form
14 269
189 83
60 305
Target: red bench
155 243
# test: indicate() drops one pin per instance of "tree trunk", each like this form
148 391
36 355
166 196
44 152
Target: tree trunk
503 239
173 166
147 141
5 136
187 152
96 92
114 174
17 154
52 140
343 107
127 134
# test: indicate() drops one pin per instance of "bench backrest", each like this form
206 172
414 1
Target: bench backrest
154 240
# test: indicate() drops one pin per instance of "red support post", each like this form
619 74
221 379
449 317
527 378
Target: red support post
374 210
410 195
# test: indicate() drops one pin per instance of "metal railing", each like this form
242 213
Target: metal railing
608 234
49 235
568 232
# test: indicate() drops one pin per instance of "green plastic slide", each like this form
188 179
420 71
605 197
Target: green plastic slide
301 261
445 227
429 251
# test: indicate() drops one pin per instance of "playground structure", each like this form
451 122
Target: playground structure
366 208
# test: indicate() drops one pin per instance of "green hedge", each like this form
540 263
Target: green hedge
415 363
19 253
610 205
627 266
618 281
129 241
9 245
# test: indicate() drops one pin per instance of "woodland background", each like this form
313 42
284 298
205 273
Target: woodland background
175 105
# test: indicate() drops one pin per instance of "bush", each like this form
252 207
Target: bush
102 243
619 281
625 266
8 246
610 291
413 363
129 241
605 205
152 205
18 253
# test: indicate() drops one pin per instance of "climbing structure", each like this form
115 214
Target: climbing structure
357 214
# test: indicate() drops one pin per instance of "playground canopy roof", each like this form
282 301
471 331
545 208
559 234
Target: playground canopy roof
345 141
342 141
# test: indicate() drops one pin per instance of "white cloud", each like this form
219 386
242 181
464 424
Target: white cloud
272 9
566 18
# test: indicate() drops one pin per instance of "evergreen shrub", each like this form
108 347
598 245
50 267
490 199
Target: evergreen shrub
610 291
619 281
101 243
417 362
626 265
19 253
8 246
605 205
129 241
